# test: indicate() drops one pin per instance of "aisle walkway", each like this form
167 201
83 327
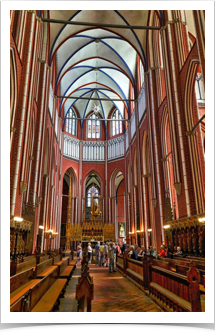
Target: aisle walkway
114 293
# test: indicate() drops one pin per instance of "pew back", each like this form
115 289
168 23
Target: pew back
44 258
26 265
43 266
38 290
21 279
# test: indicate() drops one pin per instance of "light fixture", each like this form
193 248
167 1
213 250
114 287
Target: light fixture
150 230
201 219
130 232
18 219
166 226
41 227
137 231
50 231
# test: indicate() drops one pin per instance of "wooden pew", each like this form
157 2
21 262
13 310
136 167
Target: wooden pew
44 258
182 269
84 288
65 270
119 263
173 291
181 261
43 269
186 261
20 284
26 265
134 272
163 264
44 296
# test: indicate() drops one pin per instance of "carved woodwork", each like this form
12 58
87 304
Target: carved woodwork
201 240
194 240
22 187
189 240
184 236
193 277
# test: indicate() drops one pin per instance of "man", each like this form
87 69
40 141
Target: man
137 248
97 246
124 247
101 250
105 253
118 248
178 252
111 257
133 253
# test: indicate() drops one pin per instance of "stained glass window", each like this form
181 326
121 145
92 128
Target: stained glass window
116 125
93 127
70 123
92 191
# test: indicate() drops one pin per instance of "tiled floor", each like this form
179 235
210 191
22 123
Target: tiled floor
68 302
112 293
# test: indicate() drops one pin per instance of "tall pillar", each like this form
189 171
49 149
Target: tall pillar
139 191
80 184
68 224
106 215
132 219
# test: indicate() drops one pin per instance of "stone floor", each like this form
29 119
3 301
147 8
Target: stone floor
112 293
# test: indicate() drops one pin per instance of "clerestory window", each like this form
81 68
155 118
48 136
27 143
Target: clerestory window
116 125
93 127
71 122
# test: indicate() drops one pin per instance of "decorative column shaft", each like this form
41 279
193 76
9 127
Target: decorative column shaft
68 221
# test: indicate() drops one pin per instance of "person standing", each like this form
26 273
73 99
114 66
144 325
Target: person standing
97 246
89 250
105 253
79 254
101 250
111 257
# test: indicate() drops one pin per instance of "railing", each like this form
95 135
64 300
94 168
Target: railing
93 151
71 147
116 148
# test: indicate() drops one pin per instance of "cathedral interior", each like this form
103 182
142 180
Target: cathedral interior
107 144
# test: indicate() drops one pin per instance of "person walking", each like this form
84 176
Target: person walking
111 257
89 250
79 254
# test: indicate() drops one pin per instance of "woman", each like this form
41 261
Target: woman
89 250
79 254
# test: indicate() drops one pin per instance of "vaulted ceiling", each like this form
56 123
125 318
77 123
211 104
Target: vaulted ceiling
96 62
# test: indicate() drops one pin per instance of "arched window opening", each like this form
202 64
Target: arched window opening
92 191
116 125
200 90
141 74
93 127
71 122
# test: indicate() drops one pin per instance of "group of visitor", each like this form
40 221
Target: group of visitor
105 254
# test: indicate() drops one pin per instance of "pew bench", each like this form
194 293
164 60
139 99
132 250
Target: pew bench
182 269
51 298
62 264
20 284
45 268
67 273
47 285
